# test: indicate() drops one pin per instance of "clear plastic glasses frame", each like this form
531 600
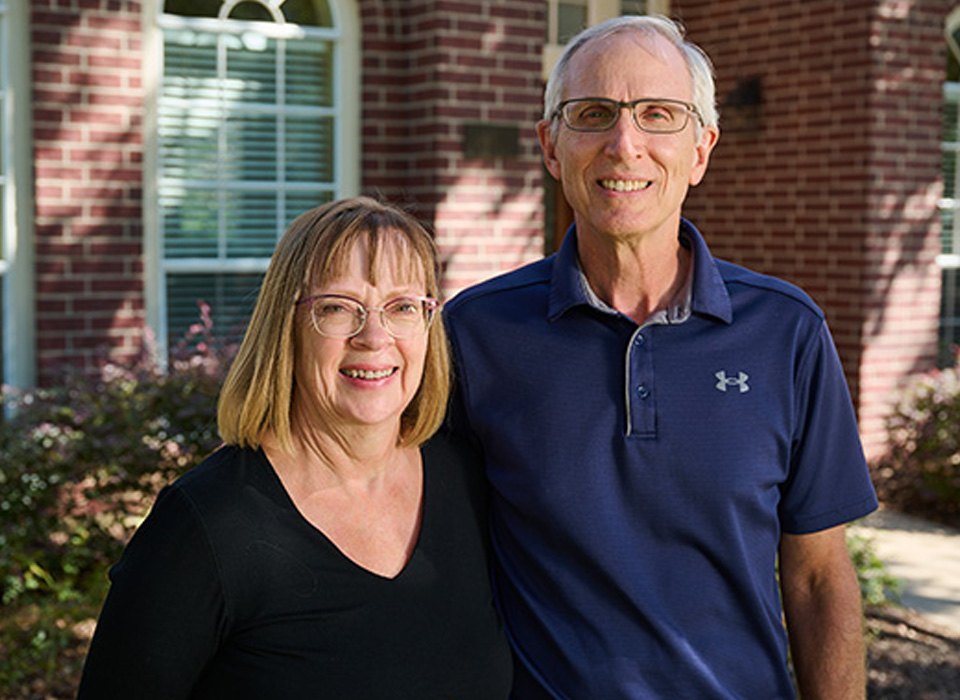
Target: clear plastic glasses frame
339 316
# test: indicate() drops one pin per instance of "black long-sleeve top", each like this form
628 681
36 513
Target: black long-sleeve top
226 591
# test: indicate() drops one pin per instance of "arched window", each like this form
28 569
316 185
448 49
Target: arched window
256 121
949 258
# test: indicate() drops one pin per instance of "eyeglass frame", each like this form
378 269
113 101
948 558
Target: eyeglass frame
431 305
688 106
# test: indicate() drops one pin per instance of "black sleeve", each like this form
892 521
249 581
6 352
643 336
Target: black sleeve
164 615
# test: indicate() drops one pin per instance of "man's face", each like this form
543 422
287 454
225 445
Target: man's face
625 183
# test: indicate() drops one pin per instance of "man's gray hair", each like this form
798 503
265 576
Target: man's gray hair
698 63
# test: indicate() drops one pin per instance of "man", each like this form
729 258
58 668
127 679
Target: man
658 425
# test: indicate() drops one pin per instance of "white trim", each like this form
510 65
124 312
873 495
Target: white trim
199 265
228 6
949 261
658 7
155 302
346 16
597 11
950 30
19 348
235 26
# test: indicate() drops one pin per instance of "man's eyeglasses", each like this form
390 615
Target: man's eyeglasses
651 115
336 316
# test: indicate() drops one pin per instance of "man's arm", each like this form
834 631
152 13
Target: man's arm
821 601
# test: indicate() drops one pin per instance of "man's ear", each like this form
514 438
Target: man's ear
547 148
701 158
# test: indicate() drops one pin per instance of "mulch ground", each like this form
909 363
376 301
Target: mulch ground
910 658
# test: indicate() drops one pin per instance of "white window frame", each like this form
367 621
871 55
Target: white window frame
346 20
597 12
16 266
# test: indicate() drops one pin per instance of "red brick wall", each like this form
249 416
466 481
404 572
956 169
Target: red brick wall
832 182
429 68
87 114
902 294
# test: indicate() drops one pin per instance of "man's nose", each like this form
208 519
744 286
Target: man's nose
624 135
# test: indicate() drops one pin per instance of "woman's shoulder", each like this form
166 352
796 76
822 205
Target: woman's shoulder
227 466
220 484
455 462
446 447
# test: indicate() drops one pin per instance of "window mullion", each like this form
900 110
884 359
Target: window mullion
222 150
281 99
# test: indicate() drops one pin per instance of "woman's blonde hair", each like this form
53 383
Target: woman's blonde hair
257 394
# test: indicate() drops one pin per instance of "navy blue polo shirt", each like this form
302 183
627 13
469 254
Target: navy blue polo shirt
642 475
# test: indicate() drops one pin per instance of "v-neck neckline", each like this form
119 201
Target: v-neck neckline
352 563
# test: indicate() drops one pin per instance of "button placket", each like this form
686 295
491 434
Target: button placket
641 404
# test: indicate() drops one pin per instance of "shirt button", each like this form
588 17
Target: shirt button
642 391
639 340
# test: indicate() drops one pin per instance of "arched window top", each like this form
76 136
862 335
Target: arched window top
952 31
305 13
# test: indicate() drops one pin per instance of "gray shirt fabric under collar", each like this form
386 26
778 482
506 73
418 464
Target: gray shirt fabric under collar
677 310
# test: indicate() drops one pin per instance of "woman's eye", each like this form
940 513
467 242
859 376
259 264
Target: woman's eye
333 309
405 307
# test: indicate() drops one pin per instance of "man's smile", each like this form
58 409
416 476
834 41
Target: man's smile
625 185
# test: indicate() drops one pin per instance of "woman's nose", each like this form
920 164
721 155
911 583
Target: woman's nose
373 331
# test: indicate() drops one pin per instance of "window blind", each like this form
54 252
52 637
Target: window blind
246 136
949 259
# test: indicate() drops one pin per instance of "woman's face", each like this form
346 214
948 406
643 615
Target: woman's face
370 378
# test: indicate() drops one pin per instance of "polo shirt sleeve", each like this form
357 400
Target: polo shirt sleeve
162 618
829 482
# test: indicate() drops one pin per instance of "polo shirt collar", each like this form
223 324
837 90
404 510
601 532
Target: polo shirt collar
568 286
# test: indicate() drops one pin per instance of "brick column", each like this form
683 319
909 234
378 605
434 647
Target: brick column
451 92
87 114
902 287
830 179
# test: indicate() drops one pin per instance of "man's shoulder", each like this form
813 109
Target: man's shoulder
739 279
523 280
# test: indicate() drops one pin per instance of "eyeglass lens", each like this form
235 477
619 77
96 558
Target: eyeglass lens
649 115
342 317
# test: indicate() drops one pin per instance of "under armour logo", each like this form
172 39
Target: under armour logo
723 381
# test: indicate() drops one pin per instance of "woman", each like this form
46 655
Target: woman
328 550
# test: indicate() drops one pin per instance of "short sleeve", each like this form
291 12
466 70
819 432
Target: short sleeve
829 482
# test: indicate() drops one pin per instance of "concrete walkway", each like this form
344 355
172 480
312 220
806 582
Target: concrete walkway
925 556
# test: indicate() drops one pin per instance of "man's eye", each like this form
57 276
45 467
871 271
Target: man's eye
595 112
658 113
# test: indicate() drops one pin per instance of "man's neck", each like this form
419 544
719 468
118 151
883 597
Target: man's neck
636 277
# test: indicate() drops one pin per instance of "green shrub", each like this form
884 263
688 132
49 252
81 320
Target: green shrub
921 474
80 466
877 586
